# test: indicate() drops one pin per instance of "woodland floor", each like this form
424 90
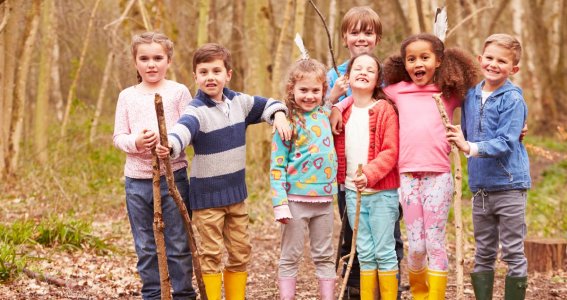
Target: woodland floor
91 276
113 276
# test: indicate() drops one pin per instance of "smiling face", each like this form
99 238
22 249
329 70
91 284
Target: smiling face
364 73
308 92
151 63
360 40
496 64
421 62
211 77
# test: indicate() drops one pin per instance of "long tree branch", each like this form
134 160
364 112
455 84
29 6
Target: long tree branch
328 36
463 21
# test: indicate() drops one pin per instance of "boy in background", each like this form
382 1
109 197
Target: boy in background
361 30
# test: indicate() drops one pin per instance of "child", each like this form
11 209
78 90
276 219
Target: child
371 138
361 31
215 124
423 69
303 180
135 133
493 115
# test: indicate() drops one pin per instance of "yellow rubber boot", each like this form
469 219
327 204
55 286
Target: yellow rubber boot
418 284
368 284
235 285
437 284
388 282
213 283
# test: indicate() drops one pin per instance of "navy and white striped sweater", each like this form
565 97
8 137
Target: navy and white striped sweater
217 176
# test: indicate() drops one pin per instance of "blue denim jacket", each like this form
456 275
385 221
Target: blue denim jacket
495 127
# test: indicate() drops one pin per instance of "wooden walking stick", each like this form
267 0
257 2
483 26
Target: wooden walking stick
354 235
164 282
178 200
340 242
457 205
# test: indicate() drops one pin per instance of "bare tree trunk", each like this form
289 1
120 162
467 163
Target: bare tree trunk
279 55
257 78
73 86
40 118
402 17
55 89
10 64
540 45
413 17
108 68
237 45
202 30
212 31
24 62
298 25
145 18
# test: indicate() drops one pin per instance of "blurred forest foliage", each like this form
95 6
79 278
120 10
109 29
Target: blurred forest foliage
63 63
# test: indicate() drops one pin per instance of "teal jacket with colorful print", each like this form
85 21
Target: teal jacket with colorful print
306 166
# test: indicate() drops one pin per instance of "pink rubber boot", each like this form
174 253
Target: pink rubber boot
287 288
327 288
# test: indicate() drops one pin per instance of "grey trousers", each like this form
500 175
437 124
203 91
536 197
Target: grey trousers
316 219
500 217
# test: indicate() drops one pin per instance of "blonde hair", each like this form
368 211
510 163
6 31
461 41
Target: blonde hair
363 15
148 38
506 41
152 37
296 73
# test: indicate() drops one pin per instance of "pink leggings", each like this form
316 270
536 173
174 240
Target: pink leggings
426 198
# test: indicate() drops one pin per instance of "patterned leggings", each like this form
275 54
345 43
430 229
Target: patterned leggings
426 198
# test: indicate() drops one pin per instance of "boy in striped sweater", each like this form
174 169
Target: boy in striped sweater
215 124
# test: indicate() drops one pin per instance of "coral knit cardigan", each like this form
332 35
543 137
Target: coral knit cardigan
382 167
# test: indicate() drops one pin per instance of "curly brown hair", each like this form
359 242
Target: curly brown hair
457 73
296 73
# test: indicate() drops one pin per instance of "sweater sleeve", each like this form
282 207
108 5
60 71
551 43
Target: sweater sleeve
123 138
278 171
260 109
342 105
387 156
182 133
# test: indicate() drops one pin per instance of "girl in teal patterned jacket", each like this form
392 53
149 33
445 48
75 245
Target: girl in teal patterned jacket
303 180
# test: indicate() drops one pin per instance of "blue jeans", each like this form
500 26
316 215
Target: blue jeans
375 242
140 205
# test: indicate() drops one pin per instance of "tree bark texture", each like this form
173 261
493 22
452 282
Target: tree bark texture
178 200
545 255
40 119
18 108
159 226
283 39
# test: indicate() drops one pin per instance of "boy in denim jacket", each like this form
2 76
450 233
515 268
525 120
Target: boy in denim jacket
493 115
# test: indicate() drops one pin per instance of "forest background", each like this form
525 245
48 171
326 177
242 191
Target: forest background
63 63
